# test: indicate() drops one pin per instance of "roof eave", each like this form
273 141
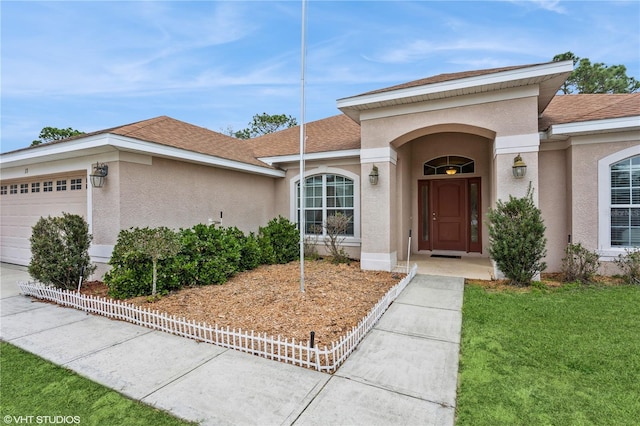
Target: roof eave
106 142
620 124
549 77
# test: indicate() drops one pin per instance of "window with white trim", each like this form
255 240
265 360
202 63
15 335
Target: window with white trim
47 186
625 203
325 195
24 188
3 190
35 187
61 185
13 189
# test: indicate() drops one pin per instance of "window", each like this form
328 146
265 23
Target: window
625 203
35 187
61 185
449 165
3 190
47 186
24 188
13 189
76 184
325 195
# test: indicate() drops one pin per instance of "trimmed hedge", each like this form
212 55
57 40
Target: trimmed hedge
207 255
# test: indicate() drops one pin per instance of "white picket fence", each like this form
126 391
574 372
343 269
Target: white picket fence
297 353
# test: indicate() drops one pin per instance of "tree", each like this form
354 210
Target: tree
50 134
597 77
158 243
264 123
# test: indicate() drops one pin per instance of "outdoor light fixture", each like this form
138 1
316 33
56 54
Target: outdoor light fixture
100 171
519 167
451 170
373 176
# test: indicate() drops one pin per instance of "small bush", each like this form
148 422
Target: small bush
579 264
336 227
209 255
311 245
131 274
250 255
629 263
60 251
279 241
516 234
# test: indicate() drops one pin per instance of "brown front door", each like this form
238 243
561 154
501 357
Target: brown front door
444 215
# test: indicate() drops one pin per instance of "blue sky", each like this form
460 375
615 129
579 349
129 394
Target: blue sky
93 65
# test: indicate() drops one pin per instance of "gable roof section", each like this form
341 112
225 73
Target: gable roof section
590 113
587 107
337 133
547 76
161 136
179 134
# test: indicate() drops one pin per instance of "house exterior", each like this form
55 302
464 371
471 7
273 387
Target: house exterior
443 148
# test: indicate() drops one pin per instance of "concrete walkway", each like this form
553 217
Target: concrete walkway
404 371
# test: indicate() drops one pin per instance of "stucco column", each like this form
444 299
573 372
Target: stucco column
505 151
505 184
378 212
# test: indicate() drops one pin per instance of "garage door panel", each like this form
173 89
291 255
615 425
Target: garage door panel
20 212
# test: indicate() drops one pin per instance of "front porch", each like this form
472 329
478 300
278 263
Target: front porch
475 267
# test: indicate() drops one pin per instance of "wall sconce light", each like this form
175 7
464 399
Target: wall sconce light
519 167
451 170
100 171
373 176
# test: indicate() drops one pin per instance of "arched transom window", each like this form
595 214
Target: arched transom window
325 195
449 165
625 203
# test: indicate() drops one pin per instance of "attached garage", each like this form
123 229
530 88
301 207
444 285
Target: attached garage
24 201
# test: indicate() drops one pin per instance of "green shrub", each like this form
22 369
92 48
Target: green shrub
279 241
579 264
629 263
131 273
60 251
209 255
516 235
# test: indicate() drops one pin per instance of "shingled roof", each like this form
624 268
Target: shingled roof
335 133
441 78
588 107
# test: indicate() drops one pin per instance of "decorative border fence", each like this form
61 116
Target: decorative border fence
297 353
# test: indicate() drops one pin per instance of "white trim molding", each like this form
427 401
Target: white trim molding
378 155
100 253
327 155
378 261
516 144
604 201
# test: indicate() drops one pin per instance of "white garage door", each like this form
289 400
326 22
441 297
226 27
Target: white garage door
24 201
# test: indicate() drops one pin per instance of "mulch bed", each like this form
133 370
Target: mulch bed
268 300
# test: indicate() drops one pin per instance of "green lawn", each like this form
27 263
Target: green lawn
31 386
569 356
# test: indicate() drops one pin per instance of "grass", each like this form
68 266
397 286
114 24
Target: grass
32 386
563 356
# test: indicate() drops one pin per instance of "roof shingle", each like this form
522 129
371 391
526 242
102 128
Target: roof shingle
587 107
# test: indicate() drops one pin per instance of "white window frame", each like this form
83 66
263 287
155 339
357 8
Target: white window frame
605 250
351 240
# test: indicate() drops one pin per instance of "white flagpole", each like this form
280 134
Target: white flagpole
302 141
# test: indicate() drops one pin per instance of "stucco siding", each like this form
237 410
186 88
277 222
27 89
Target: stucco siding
179 195
504 118
553 205
584 207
